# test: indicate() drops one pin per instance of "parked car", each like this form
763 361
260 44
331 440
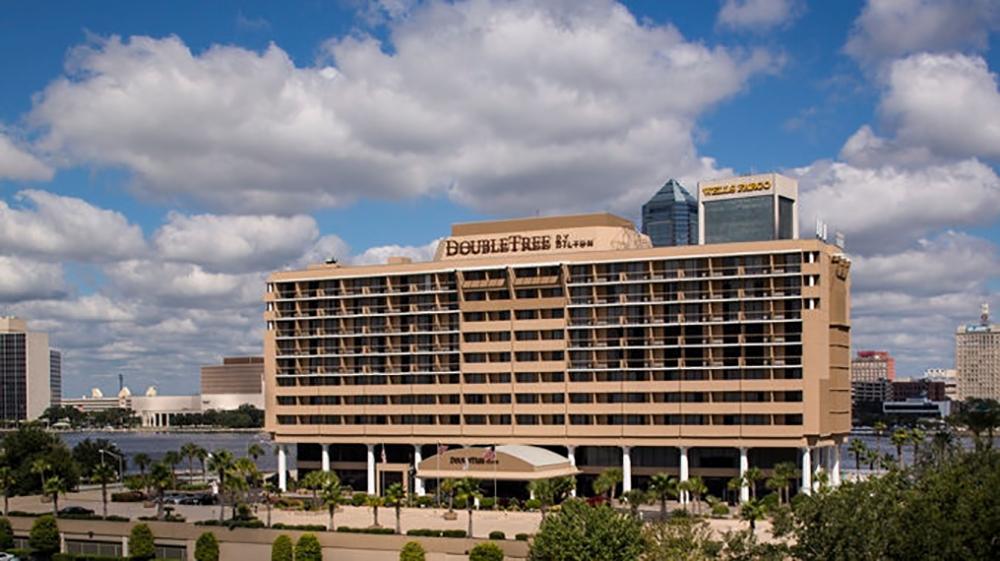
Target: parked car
9 557
73 510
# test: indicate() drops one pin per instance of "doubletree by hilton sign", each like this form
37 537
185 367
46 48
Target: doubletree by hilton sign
514 243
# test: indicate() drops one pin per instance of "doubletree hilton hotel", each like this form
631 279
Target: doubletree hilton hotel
566 345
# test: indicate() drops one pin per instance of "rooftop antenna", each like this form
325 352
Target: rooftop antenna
984 314
121 381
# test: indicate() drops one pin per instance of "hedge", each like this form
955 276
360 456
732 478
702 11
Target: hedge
26 514
522 537
303 527
234 523
428 533
497 535
128 497
381 531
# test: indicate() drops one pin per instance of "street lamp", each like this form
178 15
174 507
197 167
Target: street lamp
121 462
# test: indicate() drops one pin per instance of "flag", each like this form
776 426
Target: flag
442 448
384 459
490 455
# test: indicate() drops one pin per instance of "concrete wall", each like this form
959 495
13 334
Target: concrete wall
39 391
247 544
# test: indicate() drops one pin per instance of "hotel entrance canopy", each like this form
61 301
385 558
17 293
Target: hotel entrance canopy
511 462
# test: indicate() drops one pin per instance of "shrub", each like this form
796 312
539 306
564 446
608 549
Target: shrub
497 535
424 532
281 549
720 510
487 503
44 536
359 499
380 531
461 502
206 548
116 518
127 497
412 551
522 537
6 534
25 514
140 542
486 551
453 533
579 531
302 527
532 504
425 501
308 549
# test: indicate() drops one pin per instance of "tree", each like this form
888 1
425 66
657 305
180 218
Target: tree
899 438
33 456
313 482
6 485
879 427
607 482
142 461
680 539
160 478
104 474
917 436
202 455
979 416
373 502
255 451
412 551
395 496
781 480
582 532
88 454
6 534
858 448
467 490
246 473
663 487
750 478
44 537
221 463
40 467
141 543
635 498
448 488
752 511
486 551
308 549
282 549
696 486
551 491
55 486
172 458
206 548
268 491
330 493
192 451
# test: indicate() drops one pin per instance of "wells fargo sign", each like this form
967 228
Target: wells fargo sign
734 188
515 243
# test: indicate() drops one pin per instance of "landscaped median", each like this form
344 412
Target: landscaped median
252 543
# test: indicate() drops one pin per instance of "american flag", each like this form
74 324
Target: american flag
442 448
384 459
490 455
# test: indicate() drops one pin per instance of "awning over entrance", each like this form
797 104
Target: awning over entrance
511 462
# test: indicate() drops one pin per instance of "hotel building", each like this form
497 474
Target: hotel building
977 358
566 345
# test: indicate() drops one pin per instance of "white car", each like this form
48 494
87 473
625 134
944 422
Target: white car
9 557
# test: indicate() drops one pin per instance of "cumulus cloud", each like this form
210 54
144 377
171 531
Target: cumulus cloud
757 15
887 208
381 254
24 279
947 103
887 29
505 106
56 227
18 164
185 284
232 243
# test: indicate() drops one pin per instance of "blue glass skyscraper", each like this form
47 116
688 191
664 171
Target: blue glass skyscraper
671 216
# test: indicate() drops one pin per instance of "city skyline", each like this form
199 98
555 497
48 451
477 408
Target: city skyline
156 163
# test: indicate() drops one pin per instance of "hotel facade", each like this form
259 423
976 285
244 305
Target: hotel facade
570 345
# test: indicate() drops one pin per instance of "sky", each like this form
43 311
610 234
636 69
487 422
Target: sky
158 159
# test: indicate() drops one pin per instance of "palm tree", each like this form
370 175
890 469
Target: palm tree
750 478
684 488
468 489
268 491
607 482
54 486
752 511
394 497
899 438
943 441
733 486
448 488
697 488
979 416
142 461
39 467
785 473
6 484
255 451
917 436
221 463
246 471
858 448
314 481
663 487
330 494
879 427
551 491
374 501
190 452
161 478
104 474
635 498
202 455
172 458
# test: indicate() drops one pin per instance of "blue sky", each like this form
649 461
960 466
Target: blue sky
157 159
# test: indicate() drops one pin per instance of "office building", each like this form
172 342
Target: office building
748 208
872 374
920 388
25 388
874 392
977 358
237 381
917 408
671 216
562 344
948 377
55 378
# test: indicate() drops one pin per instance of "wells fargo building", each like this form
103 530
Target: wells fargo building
568 334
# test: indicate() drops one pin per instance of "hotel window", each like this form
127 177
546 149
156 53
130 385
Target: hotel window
475 399
527 377
581 420
499 398
475 419
527 419
527 398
